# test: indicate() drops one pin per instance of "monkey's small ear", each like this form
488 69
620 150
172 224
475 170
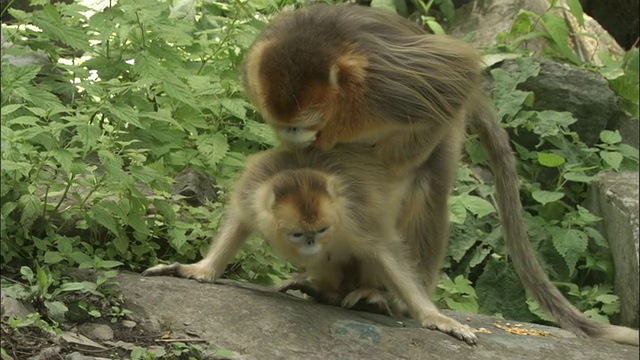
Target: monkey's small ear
270 200
333 187
348 69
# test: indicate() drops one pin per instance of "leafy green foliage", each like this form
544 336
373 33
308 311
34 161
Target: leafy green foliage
153 93
555 175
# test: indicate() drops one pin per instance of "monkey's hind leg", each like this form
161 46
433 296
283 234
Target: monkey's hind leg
401 278
230 238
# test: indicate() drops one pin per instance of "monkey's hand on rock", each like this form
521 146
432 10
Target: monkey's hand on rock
310 289
191 271
450 326
368 295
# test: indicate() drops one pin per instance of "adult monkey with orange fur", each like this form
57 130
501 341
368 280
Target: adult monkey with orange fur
325 75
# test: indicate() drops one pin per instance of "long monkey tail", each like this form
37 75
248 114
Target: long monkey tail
496 141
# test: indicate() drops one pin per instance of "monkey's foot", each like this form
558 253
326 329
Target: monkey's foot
367 295
311 290
449 326
191 271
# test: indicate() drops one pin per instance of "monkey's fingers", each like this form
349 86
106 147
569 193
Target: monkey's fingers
197 271
370 295
303 286
449 326
161 269
358 299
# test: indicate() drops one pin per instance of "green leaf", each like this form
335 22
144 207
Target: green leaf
8 109
56 310
500 290
125 113
235 106
88 135
260 132
613 159
545 197
31 209
177 237
578 177
610 137
477 205
550 159
576 9
559 33
50 21
52 257
27 273
64 157
434 26
571 244
389 5
104 217
457 210
213 148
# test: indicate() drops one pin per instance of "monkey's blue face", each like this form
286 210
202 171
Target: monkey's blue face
309 242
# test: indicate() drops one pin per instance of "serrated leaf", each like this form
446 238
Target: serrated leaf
545 197
235 106
571 244
112 164
559 33
550 160
64 157
126 113
31 209
177 237
596 236
20 167
613 159
88 135
50 21
213 148
8 109
260 132
477 205
104 217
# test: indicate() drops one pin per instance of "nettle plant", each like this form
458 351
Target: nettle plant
136 93
555 176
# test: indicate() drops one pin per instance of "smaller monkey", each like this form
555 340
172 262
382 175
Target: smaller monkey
325 211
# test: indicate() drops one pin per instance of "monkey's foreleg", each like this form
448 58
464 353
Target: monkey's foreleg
229 240
399 277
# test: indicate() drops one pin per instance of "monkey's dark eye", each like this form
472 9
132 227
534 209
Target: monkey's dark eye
296 236
323 230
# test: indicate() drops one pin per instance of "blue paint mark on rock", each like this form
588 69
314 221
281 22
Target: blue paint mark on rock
361 331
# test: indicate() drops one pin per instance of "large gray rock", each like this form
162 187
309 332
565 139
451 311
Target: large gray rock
585 94
614 197
258 323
